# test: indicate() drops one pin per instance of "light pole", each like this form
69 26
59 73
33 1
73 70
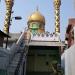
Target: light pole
16 18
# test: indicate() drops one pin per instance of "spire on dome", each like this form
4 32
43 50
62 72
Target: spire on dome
37 8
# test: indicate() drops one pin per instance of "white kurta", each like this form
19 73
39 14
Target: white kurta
68 60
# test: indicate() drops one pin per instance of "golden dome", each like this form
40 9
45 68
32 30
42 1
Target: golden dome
8 0
36 16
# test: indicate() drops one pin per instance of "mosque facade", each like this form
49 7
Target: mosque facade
43 48
44 52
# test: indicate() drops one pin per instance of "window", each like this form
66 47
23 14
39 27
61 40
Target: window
35 25
34 31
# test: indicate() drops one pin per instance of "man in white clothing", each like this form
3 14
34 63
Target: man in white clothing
68 60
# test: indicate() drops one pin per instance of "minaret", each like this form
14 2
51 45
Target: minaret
57 4
9 4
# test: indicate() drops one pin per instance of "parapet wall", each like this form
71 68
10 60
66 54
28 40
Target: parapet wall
45 37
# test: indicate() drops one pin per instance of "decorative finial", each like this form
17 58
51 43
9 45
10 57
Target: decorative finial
37 8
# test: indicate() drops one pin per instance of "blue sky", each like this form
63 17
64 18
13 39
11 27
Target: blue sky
24 8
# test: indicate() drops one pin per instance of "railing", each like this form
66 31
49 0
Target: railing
23 43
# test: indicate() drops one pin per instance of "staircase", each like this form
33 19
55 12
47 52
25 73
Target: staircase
18 64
